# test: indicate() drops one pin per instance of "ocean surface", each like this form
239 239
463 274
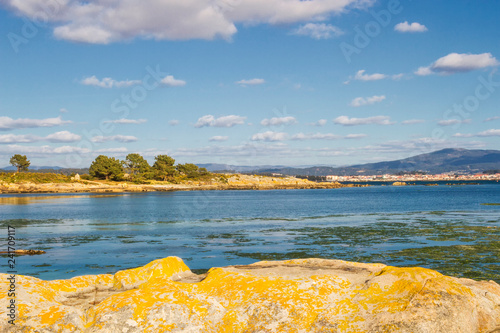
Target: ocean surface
453 229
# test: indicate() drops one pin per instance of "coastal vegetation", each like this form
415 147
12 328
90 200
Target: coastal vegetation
33 177
20 162
105 167
135 168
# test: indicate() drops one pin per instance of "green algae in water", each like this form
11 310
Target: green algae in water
490 204
443 242
477 261
23 223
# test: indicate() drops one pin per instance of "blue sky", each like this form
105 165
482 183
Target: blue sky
247 82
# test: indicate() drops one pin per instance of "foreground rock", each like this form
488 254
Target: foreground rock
309 295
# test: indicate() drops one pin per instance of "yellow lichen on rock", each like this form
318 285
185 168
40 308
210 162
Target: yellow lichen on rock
305 295
132 278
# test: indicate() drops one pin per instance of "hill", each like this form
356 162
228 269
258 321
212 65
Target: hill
445 160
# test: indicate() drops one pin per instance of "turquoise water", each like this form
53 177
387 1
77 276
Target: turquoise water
447 228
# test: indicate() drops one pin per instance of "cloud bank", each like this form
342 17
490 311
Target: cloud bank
362 101
376 120
225 121
7 123
318 31
104 22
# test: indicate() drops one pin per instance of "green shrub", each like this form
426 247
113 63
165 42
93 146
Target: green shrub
33 177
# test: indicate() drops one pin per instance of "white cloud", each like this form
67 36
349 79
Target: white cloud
12 138
459 63
170 81
108 82
219 138
270 136
461 135
455 62
244 153
397 77
63 136
413 27
43 151
119 138
450 122
251 82
126 121
378 120
316 136
229 121
355 136
63 110
362 101
490 132
361 76
104 22
225 121
319 123
412 121
423 71
7 123
207 120
112 150
277 121
173 122
318 31
491 118
84 34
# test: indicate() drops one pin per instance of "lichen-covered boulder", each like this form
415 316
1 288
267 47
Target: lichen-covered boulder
307 295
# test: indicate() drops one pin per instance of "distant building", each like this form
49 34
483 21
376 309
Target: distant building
332 178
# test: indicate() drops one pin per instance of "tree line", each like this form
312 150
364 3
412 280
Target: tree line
137 168
134 168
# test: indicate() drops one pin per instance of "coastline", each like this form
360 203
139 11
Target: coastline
235 182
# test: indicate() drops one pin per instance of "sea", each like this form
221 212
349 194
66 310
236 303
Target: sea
454 229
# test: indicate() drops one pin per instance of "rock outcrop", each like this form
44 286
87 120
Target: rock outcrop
307 295
234 182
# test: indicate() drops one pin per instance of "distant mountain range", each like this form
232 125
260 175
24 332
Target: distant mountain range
236 168
445 160
11 168
55 169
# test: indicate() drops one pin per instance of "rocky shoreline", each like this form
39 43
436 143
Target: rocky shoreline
302 295
235 182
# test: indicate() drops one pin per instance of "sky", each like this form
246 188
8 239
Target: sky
247 82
